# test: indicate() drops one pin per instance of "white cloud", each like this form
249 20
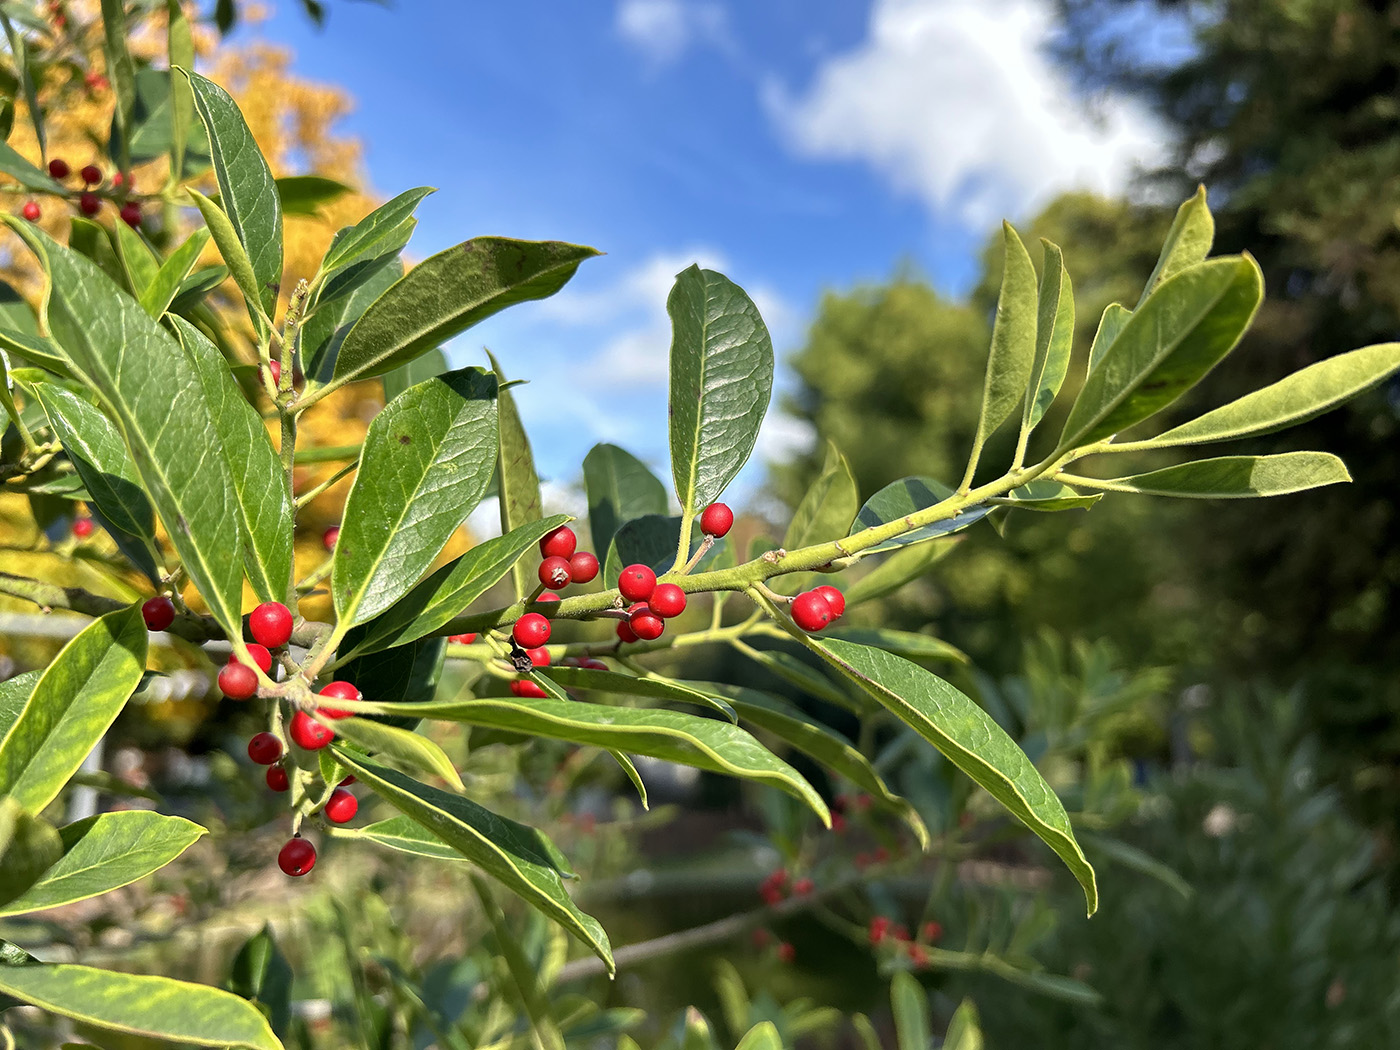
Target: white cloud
957 102
662 30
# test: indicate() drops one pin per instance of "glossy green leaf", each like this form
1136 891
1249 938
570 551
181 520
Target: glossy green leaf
965 1029
121 71
78 696
1013 340
427 460
159 1007
909 1003
1054 336
235 256
307 194
195 287
400 746
826 747
620 488
797 673
99 455
25 173
326 329
403 674
907 644
721 382
1230 477
907 496
138 370
1115 316
419 370
1294 399
648 540
674 736
28 848
521 858
1044 495
447 294
375 234
359 271
826 510
1188 242
1179 334
899 569
94 241
407 836
970 739
14 693
261 974
657 688
163 118
762 1036
450 589
105 852
166 284
517 484
247 191
259 480
19 55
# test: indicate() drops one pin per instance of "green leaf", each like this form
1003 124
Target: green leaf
517 484
401 746
225 236
1013 341
361 270
1294 399
404 674
1229 477
964 1030
519 857
620 488
169 279
427 460
139 372
704 743
762 1036
121 71
447 294
94 241
19 54
721 382
970 739
180 45
1188 242
1054 337
823 745
260 974
1045 496
105 852
247 191
1179 334
196 286
907 496
326 329
1115 316
648 540
14 693
163 118
139 262
1139 861
407 836
259 480
373 235
28 848
419 370
900 569
907 644
306 194
826 510
634 685
153 1006
99 455
76 699
909 1002
26 174
452 588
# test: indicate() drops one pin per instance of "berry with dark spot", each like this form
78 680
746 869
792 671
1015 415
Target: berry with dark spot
554 572
811 611
297 857
277 778
308 733
834 598
531 630
636 582
264 749
158 612
716 520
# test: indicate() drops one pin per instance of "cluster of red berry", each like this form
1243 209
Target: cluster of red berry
654 603
779 884
885 931
89 202
815 609
785 952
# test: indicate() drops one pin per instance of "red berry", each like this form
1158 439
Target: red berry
716 520
96 81
530 630
524 687
308 733
583 567
92 174
636 583
667 600
59 169
264 749
238 682
646 624
88 203
130 213
625 632
539 656
546 597
329 537
274 369
560 543
786 952
158 612
341 807
879 928
297 857
554 572
271 624
30 211
932 932
82 528
260 656
462 639
802 887
339 691
834 598
277 778
771 894
811 611
838 823
593 665
348 781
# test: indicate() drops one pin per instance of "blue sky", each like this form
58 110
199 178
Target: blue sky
796 145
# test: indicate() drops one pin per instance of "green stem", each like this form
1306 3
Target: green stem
311 494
